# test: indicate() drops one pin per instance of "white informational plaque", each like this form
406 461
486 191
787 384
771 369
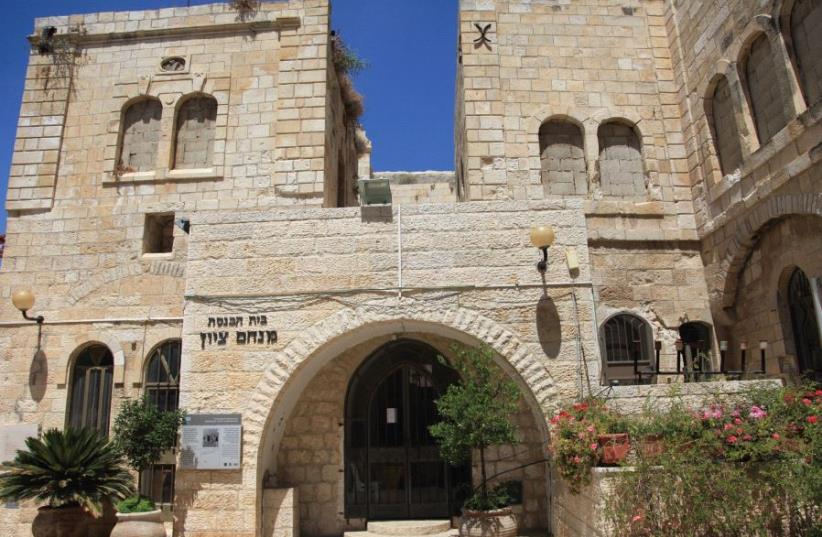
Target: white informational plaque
211 442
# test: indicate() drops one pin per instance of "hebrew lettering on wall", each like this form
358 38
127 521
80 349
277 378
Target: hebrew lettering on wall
223 326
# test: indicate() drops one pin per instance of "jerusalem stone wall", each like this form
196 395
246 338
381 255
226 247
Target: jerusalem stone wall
411 188
327 281
777 176
763 287
585 62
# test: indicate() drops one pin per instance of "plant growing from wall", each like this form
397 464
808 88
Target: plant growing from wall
244 5
477 413
347 64
65 469
142 433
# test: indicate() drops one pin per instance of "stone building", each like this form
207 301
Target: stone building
192 203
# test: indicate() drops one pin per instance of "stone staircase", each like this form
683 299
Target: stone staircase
406 528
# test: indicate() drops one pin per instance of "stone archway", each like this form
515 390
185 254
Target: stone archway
294 367
743 239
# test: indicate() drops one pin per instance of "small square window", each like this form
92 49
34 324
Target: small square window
158 236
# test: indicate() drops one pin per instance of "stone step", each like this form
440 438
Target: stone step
449 533
409 527
406 528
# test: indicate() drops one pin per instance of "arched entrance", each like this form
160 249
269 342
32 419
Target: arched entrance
393 469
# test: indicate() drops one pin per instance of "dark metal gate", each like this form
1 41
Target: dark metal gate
393 469
803 323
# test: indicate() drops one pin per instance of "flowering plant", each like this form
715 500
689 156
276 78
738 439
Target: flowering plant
753 462
575 435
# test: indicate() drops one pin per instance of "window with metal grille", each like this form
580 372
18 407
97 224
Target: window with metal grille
157 483
162 381
162 388
625 337
90 389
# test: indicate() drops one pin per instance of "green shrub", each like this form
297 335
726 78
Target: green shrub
476 413
142 432
75 467
136 504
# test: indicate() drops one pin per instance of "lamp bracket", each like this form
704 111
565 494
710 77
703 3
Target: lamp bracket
39 319
542 266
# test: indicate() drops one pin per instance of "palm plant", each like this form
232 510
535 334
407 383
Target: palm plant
75 467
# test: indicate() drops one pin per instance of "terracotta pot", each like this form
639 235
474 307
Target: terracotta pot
615 447
60 522
149 524
652 446
497 523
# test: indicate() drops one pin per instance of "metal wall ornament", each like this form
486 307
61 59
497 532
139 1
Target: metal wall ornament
483 40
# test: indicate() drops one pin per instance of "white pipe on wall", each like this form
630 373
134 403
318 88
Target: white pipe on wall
98 321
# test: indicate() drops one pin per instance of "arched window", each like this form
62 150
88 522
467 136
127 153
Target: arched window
90 389
626 337
562 158
767 103
719 109
141 133
162 382
620 160
195 130
806 20
162 387
804 323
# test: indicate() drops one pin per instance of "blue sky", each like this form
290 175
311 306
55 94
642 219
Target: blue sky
410 46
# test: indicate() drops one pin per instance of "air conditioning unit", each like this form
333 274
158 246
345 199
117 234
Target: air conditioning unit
374 192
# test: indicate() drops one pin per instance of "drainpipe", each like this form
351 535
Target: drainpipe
399 251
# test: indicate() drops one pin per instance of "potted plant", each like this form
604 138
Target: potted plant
615 442
476 413
649 431
142 433
73 472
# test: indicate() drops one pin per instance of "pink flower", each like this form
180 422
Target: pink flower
728 426
812 419
731 439
806 401
775 436
590 429
735 413
747 438
636 518
593 447
577 460
737 421
757 413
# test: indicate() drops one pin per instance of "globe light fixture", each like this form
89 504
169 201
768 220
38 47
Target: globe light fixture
542 237
24 300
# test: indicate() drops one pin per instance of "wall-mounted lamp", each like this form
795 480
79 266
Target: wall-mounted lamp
24 301
542 237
